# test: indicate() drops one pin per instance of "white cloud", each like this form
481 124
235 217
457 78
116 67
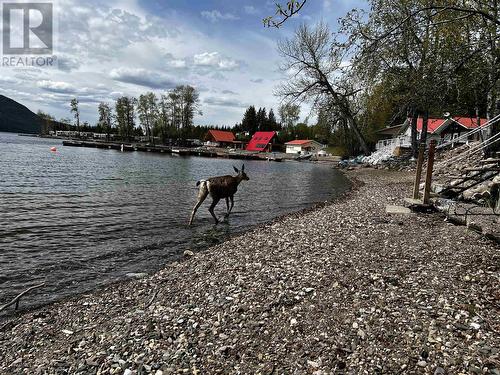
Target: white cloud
177 63
215 16
8 80
56 86
215 60
143 77
224 102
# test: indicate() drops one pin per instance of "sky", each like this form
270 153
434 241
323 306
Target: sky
107 49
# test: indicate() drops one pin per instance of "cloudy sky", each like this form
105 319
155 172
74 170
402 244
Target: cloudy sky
128 47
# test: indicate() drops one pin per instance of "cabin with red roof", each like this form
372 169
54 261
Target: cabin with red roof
442 130
303 146
221 138
262 142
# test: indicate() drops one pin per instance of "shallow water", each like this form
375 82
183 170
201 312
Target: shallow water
79 218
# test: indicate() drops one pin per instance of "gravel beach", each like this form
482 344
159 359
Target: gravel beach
344 288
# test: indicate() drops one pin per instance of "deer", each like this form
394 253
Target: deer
218 188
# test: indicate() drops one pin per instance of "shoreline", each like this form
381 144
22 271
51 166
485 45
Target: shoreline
354 184
288 295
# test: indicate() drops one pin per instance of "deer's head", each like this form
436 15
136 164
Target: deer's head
241 173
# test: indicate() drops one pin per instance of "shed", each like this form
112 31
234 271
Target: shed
303 146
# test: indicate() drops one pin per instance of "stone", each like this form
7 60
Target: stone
313 364
401 210
475 325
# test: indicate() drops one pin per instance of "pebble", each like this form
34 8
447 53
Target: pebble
392 290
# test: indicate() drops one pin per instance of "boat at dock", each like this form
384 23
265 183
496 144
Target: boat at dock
181 152
274 158
304 157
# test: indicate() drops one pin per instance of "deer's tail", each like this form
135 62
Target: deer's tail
199 182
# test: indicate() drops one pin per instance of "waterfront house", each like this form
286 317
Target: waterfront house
303 146
262 142
220 138
441 130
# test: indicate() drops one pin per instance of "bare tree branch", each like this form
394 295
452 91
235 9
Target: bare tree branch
292 8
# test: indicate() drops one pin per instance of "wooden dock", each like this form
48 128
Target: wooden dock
180 151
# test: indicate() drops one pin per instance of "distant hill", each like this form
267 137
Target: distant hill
15 117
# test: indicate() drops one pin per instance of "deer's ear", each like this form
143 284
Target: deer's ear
236 169
243 167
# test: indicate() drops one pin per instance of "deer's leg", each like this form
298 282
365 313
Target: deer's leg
232 204
202 195
211 209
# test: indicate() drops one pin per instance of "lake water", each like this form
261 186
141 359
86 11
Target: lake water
79 218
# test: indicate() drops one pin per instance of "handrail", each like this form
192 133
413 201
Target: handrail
473 131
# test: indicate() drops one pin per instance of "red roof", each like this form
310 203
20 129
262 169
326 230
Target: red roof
299 142
470 123
260 140
434 123
220 135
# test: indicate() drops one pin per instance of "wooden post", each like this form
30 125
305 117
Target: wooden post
420 161
428 175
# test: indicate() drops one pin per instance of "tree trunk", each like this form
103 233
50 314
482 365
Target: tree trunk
414 141
425 121
359 136
493 99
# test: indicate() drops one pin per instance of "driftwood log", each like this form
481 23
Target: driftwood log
18 297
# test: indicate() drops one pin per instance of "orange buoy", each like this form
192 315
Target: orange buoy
53 149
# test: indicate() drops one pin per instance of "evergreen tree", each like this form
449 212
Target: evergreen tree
261 119
272 123
249 122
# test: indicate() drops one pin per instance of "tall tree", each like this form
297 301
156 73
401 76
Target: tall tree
147 108
320 74
190 105
125 116
272 123
164 118
289 114
249 122
105 118
261 119
75 110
